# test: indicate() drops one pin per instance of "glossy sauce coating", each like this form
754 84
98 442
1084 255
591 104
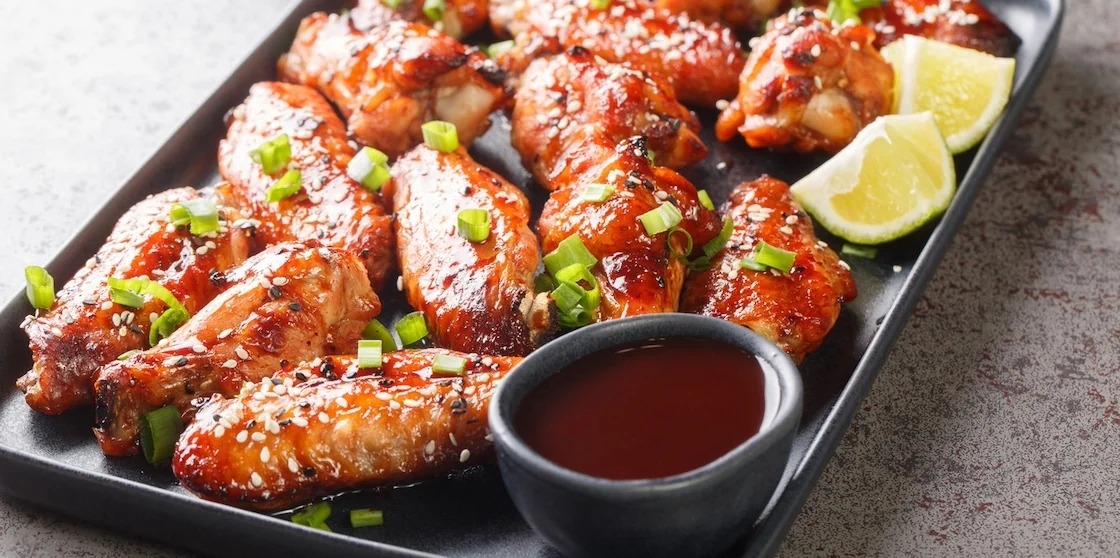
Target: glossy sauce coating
646 410
460 17
741 15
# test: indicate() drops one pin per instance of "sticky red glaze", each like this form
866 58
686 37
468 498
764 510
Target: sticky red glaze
460 17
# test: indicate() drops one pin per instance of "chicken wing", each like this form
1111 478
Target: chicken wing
86 329
809 86
331 209
459 18
287 441
566 99
478 296
742 15
392 79
795 311
288 303
700 62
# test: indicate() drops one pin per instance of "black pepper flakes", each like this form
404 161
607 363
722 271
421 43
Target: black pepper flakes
295 306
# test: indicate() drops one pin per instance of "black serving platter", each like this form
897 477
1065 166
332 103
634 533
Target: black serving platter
55 461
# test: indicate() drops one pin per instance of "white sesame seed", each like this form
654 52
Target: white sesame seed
411 403
791 220
219 431
153 317
816 50
107 305
225 332
199 348
265 455
241 353
259 396
383 396
259 437
451 436
272 426
201 250
280 389
400 283
210 244
116 320
323 418
845 265
225 423
256 479
341 402
394 405
293 465
897 268
464 456
722 104
129 317
242 436
230 364
300 422
786 230
122 331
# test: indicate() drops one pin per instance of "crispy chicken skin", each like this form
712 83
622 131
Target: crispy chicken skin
566 99
331 209
808 86
390 80
288 303
699 61
741 15
309 434
636 272
795 311
460 17
476 296
85 329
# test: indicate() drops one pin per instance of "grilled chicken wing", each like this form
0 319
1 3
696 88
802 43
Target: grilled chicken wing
808 86
478 296
390 80
741 15
86 329
567 99
795 311
287 441
459 19
288 303
332 209
636 272
700 62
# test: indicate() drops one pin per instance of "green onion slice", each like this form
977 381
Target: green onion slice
705 200
752 265
366 518
315 516
369 353
166 324
781 260
370 167
543 283
600 4
499 48
659 220
392 4
570 251
474 224
434 9
200 213
842 11
411 328
40 287
579 276
128 354
859 251
125 298
598 193
683 256
449 365
273 154
441 136
374 330
286 187
159 430
577 295
713 246
143 287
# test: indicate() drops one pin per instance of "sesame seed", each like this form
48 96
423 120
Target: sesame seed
430 447
464 456
201 250
280 390
256 479
661 195
242 436
199 348
791 220
122 331
722 104
411 403
107 305
293 465
259 437
815 51
323 418
230 364
241 353
786 230
272 426
127 317
225 332
280 281
219 431
153 317
225 423
845 265
394 405
383 396
897 268
259 396
299 421
400 283
265 455
341 402
451 436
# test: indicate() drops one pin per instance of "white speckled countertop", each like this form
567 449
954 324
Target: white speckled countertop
991 431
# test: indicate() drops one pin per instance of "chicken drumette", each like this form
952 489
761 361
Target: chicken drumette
742 15
457 18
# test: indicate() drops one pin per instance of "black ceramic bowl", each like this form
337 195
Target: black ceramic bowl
697 513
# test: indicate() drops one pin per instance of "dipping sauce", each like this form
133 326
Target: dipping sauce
647 410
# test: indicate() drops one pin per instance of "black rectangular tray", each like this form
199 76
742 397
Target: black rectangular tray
55 461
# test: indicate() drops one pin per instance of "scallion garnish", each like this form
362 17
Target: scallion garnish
314 516
441 136
497 49
474 224
200 213
752 265
577 295
392 4
598 193
145 287
286 187
369 353
166 324
40 287
159 430
570 251
366 518
273 154
433 10
842 11
659 220
681 255
411 328
712 247
127 354
448 365
125 298
600 4
374 330
370 167
705 200
781 260
859 251
543 283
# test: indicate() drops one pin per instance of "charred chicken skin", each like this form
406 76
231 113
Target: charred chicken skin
330 426
809 86
390 80
288 303
742 15
568 99
459 18
699 61
794 310
477 296
331 209
86 329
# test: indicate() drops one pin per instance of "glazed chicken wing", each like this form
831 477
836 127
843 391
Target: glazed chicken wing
86 329
742 15
331 209
567 99
808 86
288 303
390 80
699 61
477 296
795 311
459 18
300 435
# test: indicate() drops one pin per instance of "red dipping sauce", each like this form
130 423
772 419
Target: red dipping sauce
646 410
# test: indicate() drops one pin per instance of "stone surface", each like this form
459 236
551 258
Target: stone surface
992 428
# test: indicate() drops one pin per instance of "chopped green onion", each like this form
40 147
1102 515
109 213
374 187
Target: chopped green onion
273 154
570 251
659 220
441 136
369 353
598 193
411 328
752 265
434 9
200 213
143 287
600 4
712 247
576 302
40 287
392 4
126 298
314 516
706 200
683 256
864 4
499 48
128 354
474 224
859 251
842 11
366 518
448 365
578 275
374 330
543 283
286 187
166 324
159 430
370 167
781 260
